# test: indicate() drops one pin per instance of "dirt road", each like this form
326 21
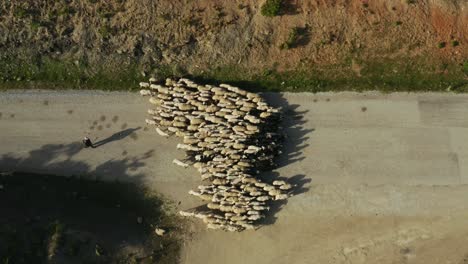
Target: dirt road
381 178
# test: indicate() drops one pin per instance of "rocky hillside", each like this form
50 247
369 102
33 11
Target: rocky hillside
323 44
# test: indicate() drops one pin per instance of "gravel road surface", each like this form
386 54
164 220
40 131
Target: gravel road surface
382 178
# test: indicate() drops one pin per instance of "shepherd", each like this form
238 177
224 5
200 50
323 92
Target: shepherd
87 142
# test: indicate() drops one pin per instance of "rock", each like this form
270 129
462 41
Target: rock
139 220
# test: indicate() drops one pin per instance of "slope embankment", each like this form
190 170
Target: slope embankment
309 46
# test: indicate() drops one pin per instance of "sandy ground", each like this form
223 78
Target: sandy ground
381 177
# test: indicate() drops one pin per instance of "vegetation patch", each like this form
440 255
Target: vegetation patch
105 31
387 75
51 219
90 45
271 8
47 73
292 39
465 67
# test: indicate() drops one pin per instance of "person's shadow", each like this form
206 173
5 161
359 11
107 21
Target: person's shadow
116 136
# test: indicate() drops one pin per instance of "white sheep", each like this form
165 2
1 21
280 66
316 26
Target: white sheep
159 231
279 183
248 226
225 208
150 122
232 228
220 175
255 193
144 85
255 217
260 207
274 192
172 129
249 151
145 92
269 188
184 213
187 147
155 101
161 133
238 217
239 210
214 206
263 198
214 226
281 197
180 163
286 186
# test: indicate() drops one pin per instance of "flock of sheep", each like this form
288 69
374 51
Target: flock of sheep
229 135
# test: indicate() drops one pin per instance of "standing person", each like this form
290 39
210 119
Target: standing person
87 142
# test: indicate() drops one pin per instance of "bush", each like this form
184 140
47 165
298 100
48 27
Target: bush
20 12
292 39
271 8
465 67
442 45
455 43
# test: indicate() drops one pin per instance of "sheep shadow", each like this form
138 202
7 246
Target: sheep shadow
116 136
296 137
300 185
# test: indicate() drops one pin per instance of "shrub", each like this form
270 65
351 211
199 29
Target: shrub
20 12
465 67
455 43
292 39
35 25
271 8
411 2
105 31
66 11
442 45
398 23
